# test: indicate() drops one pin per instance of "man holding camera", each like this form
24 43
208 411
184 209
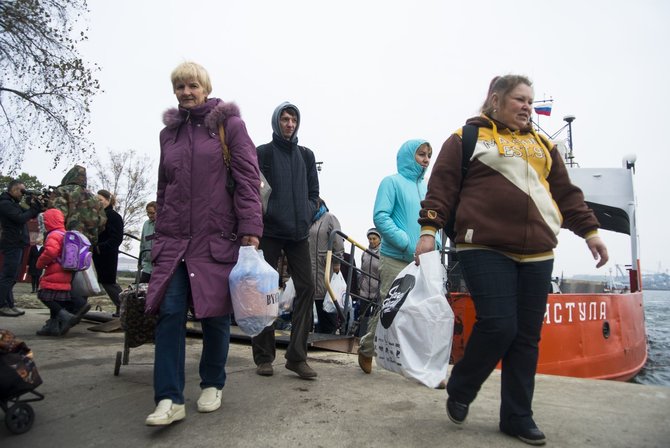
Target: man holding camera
14 239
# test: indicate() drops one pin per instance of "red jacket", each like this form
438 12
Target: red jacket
55 277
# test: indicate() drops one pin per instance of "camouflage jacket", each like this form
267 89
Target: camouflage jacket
83 211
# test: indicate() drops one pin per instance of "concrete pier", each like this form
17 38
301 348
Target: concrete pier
87 406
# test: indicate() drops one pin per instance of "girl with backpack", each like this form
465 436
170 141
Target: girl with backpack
54 289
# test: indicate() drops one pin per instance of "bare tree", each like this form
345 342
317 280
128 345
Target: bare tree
45 86
130 179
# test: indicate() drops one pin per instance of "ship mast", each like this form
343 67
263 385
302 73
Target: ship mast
569 156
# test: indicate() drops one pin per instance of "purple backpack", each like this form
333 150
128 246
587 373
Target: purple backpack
76 254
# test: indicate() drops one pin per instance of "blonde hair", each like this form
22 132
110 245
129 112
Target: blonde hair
502 86
190 71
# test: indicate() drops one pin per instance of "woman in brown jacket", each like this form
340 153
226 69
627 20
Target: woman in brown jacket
515 197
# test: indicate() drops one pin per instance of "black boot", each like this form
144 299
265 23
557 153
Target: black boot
66 321
50 328
79 314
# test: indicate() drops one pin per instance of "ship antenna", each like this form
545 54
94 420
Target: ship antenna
569 156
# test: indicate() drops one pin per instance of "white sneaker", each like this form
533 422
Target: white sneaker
210 399
166 412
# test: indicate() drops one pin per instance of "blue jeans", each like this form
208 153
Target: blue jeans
170 340
510 300
10 269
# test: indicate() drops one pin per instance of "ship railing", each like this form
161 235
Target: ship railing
345 305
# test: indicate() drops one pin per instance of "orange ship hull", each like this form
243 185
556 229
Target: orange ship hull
600 336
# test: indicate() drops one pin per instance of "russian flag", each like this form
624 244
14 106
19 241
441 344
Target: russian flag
543 109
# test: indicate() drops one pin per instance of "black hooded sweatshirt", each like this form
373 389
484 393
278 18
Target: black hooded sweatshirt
291 172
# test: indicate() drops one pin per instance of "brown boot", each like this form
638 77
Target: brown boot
264 369
365 363
302 369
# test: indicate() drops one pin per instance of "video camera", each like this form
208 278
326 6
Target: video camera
38 198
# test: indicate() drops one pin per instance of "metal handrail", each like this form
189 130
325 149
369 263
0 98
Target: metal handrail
352 268
130 235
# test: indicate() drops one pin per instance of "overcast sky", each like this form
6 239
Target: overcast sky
368 75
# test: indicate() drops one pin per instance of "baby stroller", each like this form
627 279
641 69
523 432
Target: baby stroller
18 377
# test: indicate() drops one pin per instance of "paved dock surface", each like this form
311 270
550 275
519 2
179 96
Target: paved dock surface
87 406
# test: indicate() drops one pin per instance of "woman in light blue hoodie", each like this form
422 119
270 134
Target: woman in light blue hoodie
395 214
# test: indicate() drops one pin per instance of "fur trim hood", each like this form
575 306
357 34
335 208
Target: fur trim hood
213 113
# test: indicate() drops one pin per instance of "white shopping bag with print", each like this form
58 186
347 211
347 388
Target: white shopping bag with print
416 323
254 291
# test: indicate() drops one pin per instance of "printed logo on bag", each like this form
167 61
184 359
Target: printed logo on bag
395 298
272 298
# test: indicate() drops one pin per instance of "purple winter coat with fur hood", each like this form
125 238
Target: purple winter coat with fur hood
197 220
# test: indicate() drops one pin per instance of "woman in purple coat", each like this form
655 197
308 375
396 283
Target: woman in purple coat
199 229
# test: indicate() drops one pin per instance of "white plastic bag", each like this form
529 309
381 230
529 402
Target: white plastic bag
85 283
254 288
339 287
286 297
416 324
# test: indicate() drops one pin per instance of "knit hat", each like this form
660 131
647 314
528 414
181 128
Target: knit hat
373 231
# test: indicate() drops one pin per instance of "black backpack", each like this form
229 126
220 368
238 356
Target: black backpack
469 138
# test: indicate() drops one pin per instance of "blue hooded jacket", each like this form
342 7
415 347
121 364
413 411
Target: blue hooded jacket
398 203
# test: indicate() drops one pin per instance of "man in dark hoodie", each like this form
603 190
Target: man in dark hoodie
291 171
83 212
14 239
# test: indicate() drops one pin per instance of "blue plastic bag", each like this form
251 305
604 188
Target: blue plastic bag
254 288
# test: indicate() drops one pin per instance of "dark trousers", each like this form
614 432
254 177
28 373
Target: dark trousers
327 321
35 281
510 300
76 302
10 269
72 306
113 290
302 319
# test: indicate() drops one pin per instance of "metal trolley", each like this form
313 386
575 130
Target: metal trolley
345 304
138 328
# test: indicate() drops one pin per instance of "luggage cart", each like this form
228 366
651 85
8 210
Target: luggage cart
138 328
344 305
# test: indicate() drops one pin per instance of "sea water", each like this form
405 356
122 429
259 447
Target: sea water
657 313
